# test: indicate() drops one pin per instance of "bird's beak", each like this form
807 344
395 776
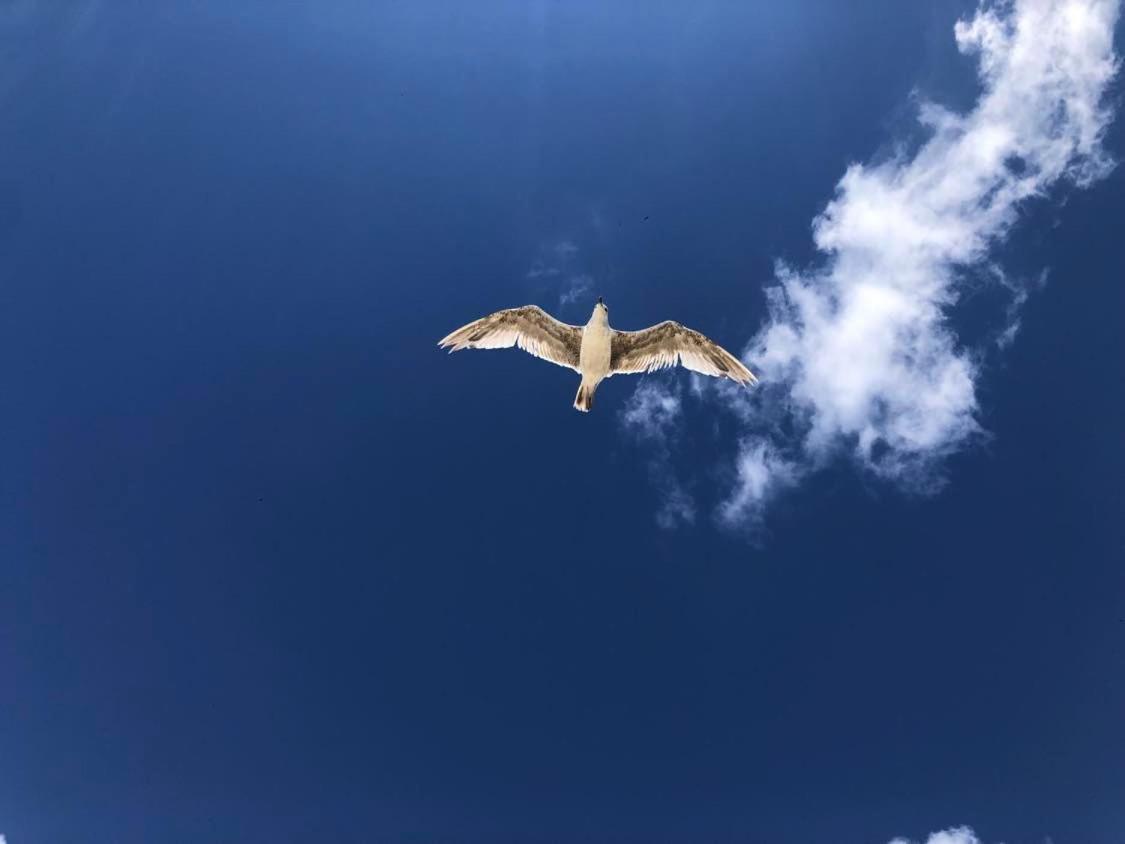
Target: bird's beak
601 301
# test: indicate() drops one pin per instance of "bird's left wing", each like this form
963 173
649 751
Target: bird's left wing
670 343
530 327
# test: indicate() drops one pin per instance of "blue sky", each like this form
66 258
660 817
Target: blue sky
275 568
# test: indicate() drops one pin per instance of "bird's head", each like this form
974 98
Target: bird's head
601 307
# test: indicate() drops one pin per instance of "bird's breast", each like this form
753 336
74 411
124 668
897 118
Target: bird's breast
593 359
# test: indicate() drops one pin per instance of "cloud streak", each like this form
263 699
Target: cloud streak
858 352
577 290
954 835
653 416
559 267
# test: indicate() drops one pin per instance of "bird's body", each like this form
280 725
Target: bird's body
594 357
596 351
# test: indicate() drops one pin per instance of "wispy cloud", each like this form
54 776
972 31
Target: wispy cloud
653 416
761 472
577 288
954 835
1020 291
559 266
539 270
859 352
566 249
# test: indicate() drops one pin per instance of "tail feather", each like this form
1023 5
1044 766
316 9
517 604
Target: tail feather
585 398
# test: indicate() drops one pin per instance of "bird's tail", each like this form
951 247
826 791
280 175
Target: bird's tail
585 398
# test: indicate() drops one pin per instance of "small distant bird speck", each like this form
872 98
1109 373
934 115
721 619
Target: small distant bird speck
595 351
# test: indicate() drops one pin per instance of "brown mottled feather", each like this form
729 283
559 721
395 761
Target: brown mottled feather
670 343
530 328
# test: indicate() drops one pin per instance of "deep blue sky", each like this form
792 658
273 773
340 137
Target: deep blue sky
273 568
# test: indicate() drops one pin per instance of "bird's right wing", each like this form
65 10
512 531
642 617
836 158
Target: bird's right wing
670 343
530 327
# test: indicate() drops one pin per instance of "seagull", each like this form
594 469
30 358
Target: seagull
595 351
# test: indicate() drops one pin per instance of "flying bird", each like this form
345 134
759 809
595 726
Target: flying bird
595 350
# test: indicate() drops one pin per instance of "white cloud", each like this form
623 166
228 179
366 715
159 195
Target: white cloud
559 267
955 835
577 288
761 473
653 415
653 411
677 507
860 351
539 270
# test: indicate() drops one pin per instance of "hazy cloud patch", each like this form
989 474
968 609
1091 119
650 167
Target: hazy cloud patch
559 270
653 416
577 289
954 835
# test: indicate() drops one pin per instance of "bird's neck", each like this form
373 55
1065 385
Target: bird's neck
598 318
